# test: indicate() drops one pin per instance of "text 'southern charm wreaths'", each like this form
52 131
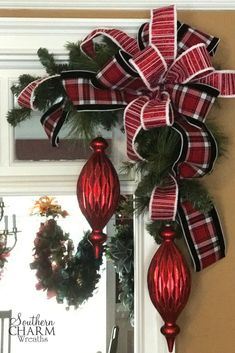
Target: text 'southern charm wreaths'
163 78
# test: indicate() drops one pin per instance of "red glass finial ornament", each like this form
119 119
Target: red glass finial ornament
98 192
169 284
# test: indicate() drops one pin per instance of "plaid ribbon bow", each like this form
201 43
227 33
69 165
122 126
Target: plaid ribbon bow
165 77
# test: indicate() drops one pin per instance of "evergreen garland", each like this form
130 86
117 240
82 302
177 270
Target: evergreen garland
120 249
81 124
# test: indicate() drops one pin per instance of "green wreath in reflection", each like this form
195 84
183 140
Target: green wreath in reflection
72 278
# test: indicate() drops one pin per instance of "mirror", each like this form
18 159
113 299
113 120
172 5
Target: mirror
38 322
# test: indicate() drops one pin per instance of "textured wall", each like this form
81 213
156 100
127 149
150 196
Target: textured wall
208 322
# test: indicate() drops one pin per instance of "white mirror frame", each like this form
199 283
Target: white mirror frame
19 40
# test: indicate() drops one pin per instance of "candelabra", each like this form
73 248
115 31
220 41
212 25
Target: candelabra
8 238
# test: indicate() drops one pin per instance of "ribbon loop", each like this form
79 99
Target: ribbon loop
150 65
188 37
143 36
192 63
27 95
199 149
132 123
118 73
162 32
157 113
120 38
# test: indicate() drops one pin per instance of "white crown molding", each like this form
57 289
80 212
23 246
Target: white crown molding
117 4
59 25
58 32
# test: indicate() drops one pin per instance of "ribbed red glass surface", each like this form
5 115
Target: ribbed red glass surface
98 192
169 284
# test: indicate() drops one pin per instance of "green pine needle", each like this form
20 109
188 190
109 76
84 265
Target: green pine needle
85 125
197 194
17 115
121 250
78 60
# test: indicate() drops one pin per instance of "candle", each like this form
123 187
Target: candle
14 220
6 222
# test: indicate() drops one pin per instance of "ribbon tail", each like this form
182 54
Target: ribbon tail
120 38
163 32
52 122
203 234
193 100
164 200
144 113
193 63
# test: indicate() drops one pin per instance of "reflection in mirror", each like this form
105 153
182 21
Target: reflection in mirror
31 142
40 323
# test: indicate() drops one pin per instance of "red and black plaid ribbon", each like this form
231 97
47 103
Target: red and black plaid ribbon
203 234
53 120
165 77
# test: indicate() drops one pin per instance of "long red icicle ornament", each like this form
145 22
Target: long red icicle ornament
98 192
169 284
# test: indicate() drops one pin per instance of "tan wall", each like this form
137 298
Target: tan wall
208 321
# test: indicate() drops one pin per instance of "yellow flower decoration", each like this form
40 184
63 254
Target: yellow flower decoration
48 206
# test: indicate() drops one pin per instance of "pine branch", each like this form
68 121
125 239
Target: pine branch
141 203
197 194
121 250
48 92
105 51
17 115
78 60
47 60
86 124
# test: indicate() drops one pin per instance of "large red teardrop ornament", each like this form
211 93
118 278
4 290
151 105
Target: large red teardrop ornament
98 192
169 284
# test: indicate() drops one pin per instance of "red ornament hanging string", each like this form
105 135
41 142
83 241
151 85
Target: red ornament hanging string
98 192
169 284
